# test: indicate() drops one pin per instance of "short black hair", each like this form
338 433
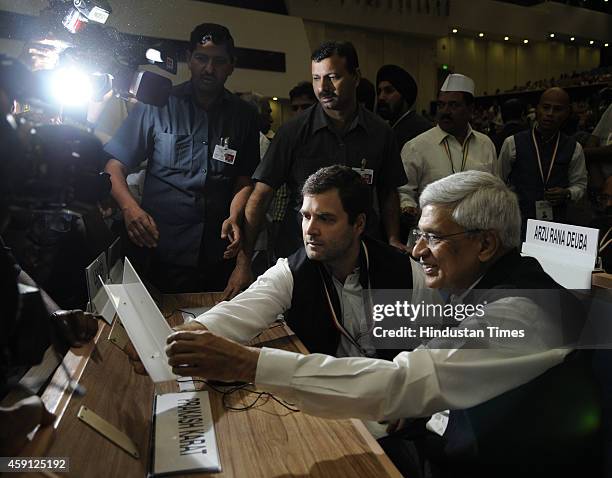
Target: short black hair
354 193
303 88
219 35
343 49
513 109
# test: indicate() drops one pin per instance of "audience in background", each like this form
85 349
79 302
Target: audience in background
450 147
397 91
544 166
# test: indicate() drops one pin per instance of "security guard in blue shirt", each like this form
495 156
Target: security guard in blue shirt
202 148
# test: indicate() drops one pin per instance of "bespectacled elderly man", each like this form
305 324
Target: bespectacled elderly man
467 245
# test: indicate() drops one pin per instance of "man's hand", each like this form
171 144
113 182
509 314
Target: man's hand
557 196
230 230
134 358
75 326
241 278
203 354
17 421
141 227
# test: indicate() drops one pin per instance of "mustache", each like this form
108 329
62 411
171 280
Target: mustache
327 94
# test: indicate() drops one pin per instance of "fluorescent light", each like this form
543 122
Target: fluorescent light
572 39
525 41
591 42
455 30
506 38
275 98
606 45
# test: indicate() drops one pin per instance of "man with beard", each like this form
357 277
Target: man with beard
397 92
545 167
202 148
335 131
450 147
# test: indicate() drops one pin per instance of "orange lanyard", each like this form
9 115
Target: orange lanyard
465 149
339 325
552 161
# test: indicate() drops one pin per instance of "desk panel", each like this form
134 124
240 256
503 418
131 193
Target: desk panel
267 440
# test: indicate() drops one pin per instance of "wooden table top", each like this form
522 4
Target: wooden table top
265 441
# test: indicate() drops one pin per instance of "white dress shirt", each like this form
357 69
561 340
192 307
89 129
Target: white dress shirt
426 160
253 310
576 174
417 383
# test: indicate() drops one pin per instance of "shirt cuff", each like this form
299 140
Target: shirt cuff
276 367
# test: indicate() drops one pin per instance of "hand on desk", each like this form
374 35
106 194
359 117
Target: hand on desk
201 353
130 351
17 421
75 326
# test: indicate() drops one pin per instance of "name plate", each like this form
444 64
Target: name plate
184 434
564 237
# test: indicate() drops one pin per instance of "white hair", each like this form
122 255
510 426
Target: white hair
478 200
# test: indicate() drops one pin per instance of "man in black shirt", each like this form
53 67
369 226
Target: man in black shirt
397 91
334 131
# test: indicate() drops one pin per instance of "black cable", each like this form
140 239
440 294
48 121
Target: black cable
234 388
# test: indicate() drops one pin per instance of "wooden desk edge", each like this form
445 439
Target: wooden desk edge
602 279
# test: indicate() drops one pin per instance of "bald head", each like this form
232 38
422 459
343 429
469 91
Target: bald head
553 110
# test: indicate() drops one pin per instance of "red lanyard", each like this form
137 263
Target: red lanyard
552 161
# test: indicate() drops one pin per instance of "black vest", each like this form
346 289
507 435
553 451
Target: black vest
526 179
553 419
309 316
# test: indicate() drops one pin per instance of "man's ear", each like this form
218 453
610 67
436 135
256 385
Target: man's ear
360 223
490 244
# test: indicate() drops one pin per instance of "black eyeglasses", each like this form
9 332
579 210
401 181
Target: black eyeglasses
433 240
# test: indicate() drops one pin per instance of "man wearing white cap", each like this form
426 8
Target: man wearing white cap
450 147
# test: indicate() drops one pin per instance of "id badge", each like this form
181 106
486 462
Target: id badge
224 154
544 211
367 175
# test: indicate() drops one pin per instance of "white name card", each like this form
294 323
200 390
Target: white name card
574 239
184 434
567 253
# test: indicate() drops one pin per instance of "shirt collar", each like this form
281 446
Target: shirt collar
401 118
320 119
440 135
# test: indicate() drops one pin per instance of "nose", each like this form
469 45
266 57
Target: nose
209 67
309 227
420 249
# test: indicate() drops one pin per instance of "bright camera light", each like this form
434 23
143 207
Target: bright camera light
71 87
153 55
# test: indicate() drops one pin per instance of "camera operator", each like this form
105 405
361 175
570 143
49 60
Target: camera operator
31 321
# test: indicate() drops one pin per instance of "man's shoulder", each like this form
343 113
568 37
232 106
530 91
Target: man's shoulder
427 137
375 122
483 138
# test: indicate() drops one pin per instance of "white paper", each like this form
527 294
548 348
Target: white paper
144 323
567 253
184 434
